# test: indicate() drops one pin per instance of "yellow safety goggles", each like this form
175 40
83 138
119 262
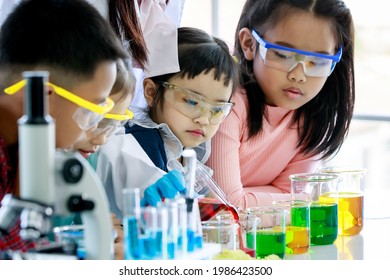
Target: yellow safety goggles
112 123
125 117
100 109
88 113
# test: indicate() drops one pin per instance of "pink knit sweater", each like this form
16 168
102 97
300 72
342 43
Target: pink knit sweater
255 172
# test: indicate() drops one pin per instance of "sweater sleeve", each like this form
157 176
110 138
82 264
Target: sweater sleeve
225 161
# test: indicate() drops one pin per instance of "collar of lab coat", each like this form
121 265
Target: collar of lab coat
172 145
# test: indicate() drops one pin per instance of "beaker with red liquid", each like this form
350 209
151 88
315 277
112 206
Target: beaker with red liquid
215 202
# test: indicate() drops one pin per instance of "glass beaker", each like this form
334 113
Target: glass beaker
270 232
350 198
213 199
321 191
222 232
297 225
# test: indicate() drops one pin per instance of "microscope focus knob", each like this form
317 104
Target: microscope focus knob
72 171
77 203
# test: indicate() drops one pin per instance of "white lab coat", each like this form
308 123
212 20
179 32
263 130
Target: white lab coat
122 163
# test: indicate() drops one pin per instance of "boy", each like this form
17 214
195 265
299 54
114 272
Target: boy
78 47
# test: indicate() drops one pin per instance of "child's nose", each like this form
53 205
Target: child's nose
99 140
297 73
204 119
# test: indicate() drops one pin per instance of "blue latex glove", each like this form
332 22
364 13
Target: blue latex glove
168 186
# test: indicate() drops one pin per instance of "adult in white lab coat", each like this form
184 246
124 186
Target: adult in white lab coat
158 20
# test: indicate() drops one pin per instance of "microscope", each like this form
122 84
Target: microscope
54 182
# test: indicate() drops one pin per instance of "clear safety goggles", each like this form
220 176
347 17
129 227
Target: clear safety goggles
193 105
86 116
286 59
112 123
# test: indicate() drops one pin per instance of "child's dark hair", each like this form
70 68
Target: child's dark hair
326 118
68 36
125 79
124 20
201 53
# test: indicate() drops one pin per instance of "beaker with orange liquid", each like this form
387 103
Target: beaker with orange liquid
350 198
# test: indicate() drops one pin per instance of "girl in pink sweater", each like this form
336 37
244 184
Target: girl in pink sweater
296 100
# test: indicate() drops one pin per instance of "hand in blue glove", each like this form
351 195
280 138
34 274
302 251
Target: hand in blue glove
168 186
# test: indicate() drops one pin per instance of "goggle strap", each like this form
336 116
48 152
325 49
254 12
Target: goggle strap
99 109
15 88
127 116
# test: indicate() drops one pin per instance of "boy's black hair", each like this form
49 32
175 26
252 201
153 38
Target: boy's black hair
70 36
326 118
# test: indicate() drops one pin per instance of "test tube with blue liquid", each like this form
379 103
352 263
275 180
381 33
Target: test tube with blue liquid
149 228
131 224
173 227
191 229
162 232
194 231
182 239
199 231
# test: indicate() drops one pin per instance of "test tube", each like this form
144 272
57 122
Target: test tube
162 232
149 232
173 227
191 229
131 216
182 239
198 223
189 164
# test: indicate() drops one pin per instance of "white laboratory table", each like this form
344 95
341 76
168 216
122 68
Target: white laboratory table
372 243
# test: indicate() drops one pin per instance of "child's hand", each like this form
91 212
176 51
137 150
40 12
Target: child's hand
167 186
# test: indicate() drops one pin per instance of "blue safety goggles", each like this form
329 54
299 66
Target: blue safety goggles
286 59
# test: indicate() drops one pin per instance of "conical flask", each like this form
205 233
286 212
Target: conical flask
212 199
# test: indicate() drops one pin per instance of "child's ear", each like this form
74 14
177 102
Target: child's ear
248 43
150 89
